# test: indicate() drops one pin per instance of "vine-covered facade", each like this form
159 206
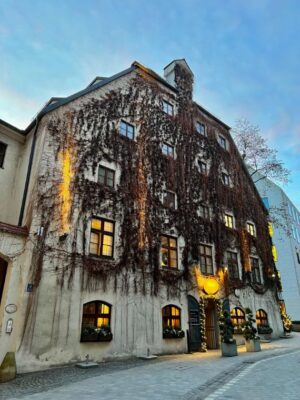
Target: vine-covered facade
142 224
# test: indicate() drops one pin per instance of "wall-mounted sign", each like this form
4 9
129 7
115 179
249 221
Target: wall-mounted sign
211 286
9 326
29 287
10 308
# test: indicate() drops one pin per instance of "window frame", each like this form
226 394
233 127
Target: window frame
205 256
102 233
235 268
254 269
202 131
167 193
2 153
228 215
225 179
261 319
222 142
206 211
106 169
169 248
235 316
127 124
170 316
168 146
248 224
166 106
96 315
203 167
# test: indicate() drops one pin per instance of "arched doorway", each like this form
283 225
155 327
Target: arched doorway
211 325
194 324
3 271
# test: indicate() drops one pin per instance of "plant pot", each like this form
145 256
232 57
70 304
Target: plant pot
253 345
229 349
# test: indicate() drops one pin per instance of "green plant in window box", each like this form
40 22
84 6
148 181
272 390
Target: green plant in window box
173 333
93 334
264 329
238 330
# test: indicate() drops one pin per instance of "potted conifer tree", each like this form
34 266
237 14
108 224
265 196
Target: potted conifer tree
250 333
228 344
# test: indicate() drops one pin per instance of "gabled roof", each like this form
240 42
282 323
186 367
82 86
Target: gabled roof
11 127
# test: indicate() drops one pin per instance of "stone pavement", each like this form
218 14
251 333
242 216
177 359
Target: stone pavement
188 377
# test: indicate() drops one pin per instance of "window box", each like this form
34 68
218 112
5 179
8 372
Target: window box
93 334
173 333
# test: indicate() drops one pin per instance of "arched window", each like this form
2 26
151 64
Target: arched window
171 317
261 317
95 325
237 316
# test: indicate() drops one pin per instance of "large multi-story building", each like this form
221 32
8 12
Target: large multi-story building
128 221
286 238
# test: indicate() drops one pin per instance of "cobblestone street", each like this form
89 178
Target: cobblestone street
190 377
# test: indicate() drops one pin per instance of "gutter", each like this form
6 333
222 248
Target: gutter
37 120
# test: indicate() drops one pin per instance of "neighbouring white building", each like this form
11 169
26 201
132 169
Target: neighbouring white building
286 238
128 220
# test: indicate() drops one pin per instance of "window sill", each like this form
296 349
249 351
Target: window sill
96 338
98 257
180 335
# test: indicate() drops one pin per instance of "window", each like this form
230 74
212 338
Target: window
251 228
202 167
233 266
168 150
229 221
225 179
102 237
206 259
106 176
96 314
222 142
127 130
237 316
3 147
200 128
204 211
171 317
169 199
255 270
168 108
261 317
3 271
168 252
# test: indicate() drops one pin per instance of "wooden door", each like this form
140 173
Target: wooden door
211 328
194 324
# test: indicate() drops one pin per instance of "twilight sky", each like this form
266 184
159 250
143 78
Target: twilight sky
245 56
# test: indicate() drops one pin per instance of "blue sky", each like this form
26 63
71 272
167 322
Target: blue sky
245 56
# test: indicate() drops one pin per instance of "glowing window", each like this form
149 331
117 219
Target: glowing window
206 259
106 176
102 237
237 316
261 317
168 108
168 252
229 221
171 316
96 314
251 228
127 130
200 128
168 150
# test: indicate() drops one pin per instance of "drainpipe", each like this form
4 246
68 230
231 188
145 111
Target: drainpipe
28 172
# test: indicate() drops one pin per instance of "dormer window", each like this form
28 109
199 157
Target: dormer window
168 108
168 150
222 142
225 179
229 220
127 130
201 128
251 228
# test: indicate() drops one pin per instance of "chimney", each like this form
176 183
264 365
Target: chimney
179 75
